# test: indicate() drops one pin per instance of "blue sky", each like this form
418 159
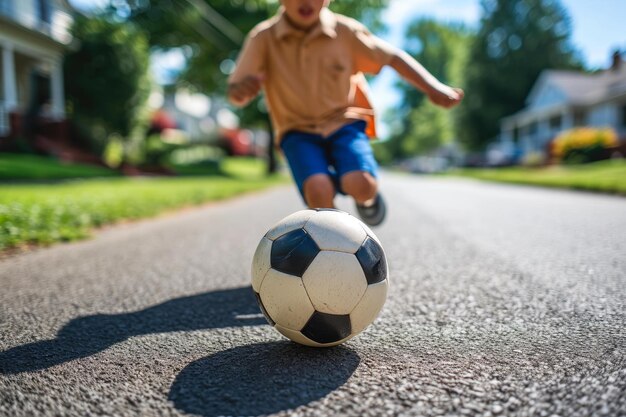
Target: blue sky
598 28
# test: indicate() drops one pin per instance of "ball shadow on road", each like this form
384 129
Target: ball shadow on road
88 335
261 379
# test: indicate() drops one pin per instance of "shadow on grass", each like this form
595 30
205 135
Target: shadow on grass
261 379
85 336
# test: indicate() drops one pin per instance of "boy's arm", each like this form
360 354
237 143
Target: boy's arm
418 76
246 81
371 53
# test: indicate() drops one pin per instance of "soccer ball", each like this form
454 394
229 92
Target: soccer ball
320 276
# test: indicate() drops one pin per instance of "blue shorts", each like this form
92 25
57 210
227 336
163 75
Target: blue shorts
347 149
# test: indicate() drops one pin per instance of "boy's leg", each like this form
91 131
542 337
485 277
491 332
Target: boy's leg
353 159
319 191
360 185
306 155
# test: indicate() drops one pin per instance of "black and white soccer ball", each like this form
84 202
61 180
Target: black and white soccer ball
320 276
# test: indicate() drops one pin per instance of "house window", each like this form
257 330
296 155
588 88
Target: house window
579 118
43 9
556 122
532 128
623 115
523 131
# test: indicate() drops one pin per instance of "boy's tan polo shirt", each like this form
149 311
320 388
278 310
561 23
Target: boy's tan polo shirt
313 81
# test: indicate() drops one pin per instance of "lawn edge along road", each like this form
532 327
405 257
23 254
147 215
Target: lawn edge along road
40 214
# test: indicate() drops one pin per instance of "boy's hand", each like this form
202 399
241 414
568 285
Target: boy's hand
445 96
412 71
242 92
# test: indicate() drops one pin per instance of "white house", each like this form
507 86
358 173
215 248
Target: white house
200 118
34 35
561 100
193 114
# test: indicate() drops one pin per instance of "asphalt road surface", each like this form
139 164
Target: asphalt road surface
504 300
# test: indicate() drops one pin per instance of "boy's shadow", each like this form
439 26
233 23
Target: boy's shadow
85 336
261 379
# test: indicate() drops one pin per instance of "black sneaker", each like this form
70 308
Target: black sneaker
374 214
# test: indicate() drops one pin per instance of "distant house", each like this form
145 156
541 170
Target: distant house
561 100
34 35
192 114
204 119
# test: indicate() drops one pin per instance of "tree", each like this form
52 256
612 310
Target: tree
517 39
422 126
106 79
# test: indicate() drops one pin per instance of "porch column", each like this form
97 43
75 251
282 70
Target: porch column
568 119
8 80
56 90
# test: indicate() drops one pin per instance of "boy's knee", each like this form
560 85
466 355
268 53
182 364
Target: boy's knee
319 191
361 185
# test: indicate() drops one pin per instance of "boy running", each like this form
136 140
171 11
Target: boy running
310 63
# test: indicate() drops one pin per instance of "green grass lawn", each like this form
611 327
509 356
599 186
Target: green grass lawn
33 167
603 176
43 213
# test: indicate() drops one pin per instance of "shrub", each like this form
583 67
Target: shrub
585 144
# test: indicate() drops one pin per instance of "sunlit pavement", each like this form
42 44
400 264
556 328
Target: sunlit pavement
504 300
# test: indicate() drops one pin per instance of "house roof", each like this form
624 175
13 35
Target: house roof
574 89
581 88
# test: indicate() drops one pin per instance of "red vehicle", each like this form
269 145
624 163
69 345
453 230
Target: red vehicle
236 142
